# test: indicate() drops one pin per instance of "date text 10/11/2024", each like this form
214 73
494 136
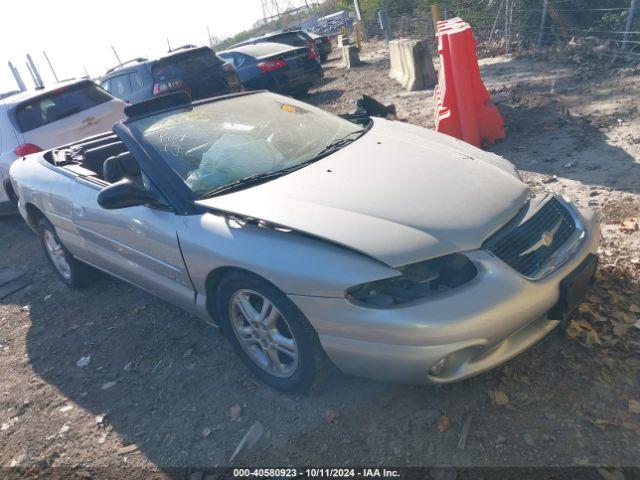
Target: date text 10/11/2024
316 472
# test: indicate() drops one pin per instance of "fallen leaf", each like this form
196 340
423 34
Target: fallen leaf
592 338
634 406
444 423
611 474
128 449
498 397
634 308
620 329
593 298
585 308
235 411
629 226
330 416
598 318
573 330
584 325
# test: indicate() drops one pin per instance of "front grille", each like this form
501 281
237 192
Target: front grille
529 246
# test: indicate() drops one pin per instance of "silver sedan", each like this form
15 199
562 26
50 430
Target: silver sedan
395 252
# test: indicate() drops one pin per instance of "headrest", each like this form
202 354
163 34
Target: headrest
120 166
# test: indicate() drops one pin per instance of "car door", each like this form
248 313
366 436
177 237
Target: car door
138 244
139 88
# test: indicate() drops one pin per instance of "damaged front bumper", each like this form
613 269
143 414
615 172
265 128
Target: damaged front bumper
462 333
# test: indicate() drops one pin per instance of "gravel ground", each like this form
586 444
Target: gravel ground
162 390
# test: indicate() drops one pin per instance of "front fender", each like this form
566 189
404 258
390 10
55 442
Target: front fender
295 263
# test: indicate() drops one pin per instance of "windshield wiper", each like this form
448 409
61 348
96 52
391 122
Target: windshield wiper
258 178
245 182
338 144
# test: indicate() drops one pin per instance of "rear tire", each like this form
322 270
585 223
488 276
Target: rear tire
269 333
72 272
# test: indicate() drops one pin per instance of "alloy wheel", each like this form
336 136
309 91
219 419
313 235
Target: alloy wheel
264 333
57 255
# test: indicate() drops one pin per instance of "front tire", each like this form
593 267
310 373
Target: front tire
269 333
72 272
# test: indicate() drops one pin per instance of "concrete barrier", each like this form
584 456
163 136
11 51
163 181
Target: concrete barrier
350 56
411 64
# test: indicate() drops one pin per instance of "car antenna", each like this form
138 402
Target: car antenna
116 54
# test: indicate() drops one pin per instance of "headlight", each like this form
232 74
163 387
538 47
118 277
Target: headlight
418 280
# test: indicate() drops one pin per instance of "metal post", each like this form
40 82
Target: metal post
356 4
627 29
542 20
495 22
507 25
435 15
383 16
50 66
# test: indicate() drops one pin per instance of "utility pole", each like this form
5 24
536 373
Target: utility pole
542 20
116 54
210 39
168 44
50 66
627 29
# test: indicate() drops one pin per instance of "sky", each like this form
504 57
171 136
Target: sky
78 34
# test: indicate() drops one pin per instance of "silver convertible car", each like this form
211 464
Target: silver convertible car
395 252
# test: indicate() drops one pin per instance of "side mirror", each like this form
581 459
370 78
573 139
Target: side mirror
124 194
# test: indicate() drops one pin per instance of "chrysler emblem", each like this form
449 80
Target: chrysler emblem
546 239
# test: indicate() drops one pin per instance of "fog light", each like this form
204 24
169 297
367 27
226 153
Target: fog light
438 367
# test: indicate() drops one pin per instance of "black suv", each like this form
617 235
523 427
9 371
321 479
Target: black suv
198 71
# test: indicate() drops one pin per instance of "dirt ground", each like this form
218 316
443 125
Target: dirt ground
163 390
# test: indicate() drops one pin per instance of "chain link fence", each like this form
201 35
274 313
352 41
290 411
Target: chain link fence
510 26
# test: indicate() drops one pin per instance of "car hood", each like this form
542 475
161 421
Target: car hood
399 194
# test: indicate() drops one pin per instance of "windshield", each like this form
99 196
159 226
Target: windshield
218 143
185 65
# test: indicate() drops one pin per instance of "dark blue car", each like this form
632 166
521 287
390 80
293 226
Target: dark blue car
275 66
